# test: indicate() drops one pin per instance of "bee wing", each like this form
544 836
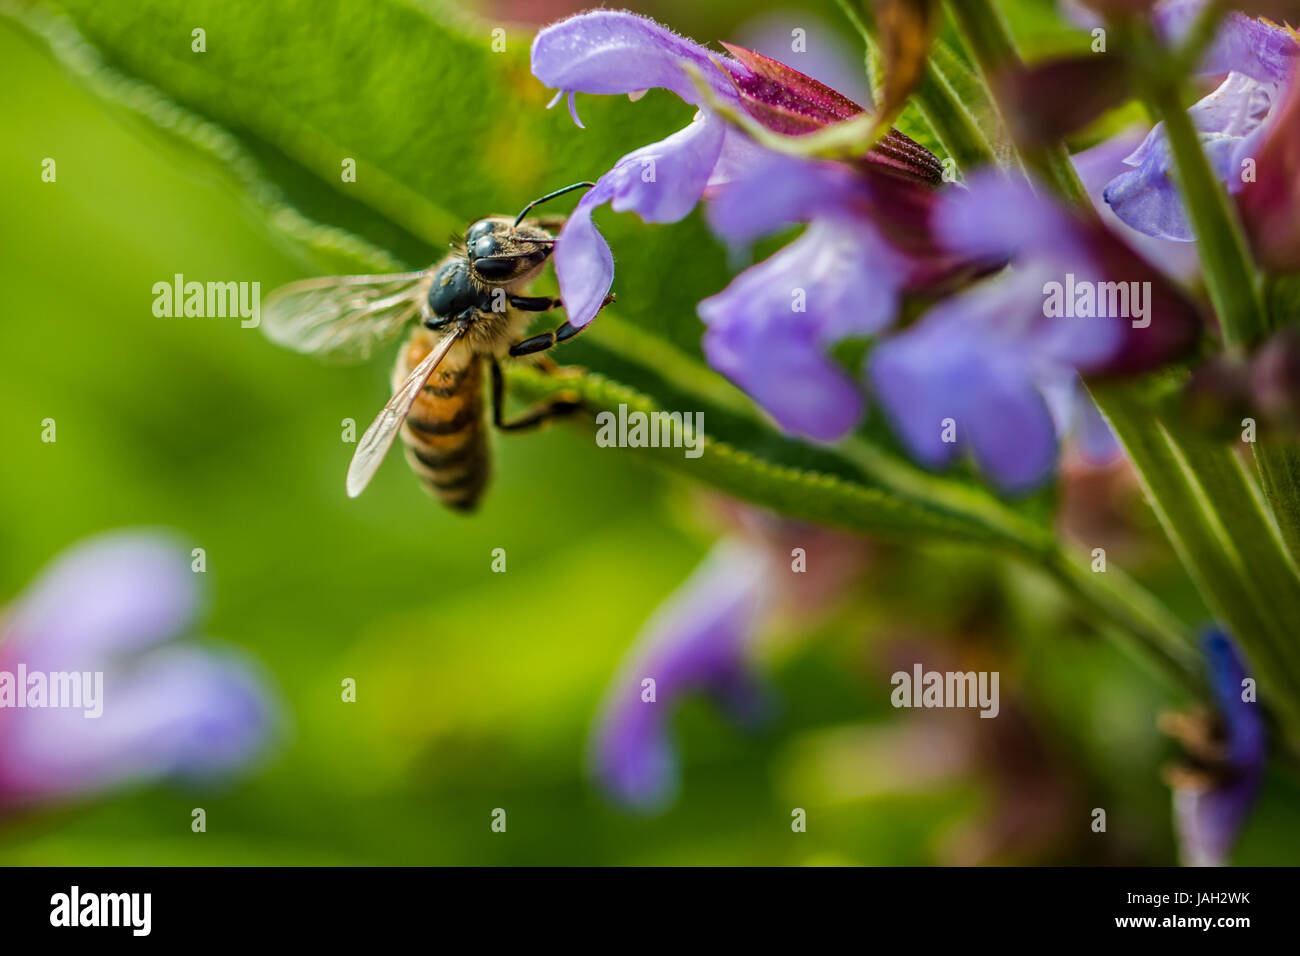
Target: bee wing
379 436
342 318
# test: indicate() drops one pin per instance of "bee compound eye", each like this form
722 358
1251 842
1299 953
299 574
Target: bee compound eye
451 291
478 230
483 247
495 268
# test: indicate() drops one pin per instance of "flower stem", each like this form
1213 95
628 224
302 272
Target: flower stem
1279 474
1213 516
935 508
1132 616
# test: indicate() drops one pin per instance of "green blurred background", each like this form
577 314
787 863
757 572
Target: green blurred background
475 690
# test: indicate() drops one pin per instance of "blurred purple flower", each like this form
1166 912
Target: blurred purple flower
111 605
969 375
1259 60
611 52
701 641
980 360
770 330
697 642
1210 815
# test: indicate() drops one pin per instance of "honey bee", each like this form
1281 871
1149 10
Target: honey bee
473 311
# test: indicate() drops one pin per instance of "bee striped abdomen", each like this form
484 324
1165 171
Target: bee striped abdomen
446 432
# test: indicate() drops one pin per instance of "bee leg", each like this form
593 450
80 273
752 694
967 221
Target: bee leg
558 404
548 340
534 303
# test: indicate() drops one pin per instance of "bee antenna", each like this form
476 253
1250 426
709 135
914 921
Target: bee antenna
549 196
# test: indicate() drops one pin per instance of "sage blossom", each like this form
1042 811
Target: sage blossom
114 609
1259 60
610 52
703 642
697 643
969 375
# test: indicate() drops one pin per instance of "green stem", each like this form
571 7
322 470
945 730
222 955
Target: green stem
952 123
1279 474
1133 617
1114 603
1214 518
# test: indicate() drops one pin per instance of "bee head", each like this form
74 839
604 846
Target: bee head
500 252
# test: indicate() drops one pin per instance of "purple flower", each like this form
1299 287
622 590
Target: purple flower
609 52
698 642
770 331
868 242
1211 811
1259 60
967 377
1097 168
106 613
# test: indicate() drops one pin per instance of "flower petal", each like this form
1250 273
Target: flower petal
661 182
1145 198
175 712
696 642
1233 121
997 217
1101 164
774 190
112 594
945 386
771 330
609 52
1243 44
584 264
